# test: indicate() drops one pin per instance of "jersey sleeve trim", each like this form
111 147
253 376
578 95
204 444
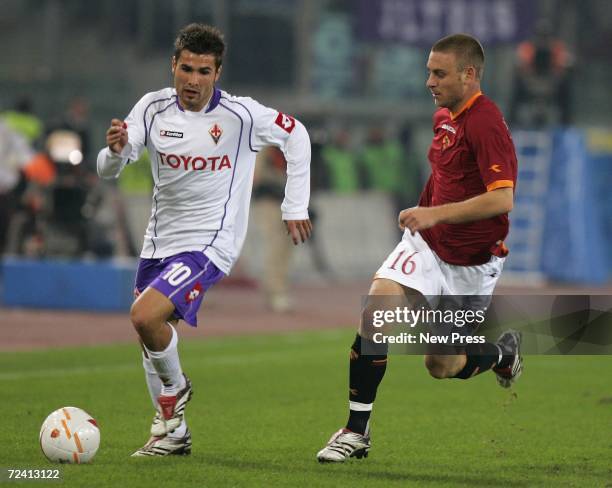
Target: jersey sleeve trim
500 184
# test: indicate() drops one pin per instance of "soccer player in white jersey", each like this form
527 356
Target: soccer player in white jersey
202 143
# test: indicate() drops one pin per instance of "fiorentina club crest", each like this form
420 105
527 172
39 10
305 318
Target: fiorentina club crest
215 132
194 293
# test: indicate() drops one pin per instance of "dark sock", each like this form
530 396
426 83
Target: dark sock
358 421
368 363
480 358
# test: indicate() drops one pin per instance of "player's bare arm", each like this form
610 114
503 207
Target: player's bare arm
487 205
299 230
117 136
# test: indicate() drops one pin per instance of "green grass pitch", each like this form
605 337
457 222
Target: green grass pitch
264 405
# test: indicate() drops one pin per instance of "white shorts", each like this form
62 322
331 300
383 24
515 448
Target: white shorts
413 264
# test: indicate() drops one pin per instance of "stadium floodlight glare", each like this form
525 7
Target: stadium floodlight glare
64 146
75 157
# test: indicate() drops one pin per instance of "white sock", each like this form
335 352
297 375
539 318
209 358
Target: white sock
154 384
168 366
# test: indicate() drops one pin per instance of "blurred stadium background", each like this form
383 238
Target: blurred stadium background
354 72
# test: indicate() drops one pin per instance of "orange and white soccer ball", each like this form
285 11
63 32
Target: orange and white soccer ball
70 435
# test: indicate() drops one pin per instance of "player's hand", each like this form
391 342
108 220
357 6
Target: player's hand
418 218
299 230
117 136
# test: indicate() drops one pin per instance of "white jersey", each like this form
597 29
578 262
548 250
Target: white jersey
203 164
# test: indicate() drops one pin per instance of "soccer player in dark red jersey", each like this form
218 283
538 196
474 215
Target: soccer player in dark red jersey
453 240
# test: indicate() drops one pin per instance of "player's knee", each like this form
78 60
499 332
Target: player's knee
141 319
367 324
439 367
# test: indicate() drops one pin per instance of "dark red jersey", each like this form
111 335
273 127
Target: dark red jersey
471 153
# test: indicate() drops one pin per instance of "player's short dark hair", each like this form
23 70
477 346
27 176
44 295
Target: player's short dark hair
466 48
200 39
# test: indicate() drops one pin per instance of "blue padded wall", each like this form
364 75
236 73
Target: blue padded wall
77 285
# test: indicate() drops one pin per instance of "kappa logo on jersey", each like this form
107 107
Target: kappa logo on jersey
216 133
194 293
171 133
197 163
495 167
449 128
285 122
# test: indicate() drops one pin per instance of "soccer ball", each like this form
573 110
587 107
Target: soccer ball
69 435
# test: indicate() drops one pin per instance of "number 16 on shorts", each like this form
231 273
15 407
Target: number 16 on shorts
404 262
405 266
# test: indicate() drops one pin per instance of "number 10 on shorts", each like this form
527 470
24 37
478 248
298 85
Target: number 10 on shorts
177 273
407 264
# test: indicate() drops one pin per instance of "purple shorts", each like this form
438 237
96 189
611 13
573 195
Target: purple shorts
183 278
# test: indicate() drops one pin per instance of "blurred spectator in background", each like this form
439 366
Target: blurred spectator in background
49 220
268 194
25 235
22 120
15 154
342 173
542 92
319 140
79 195
77 119
388 170
414 168
53 210
65 223
72 220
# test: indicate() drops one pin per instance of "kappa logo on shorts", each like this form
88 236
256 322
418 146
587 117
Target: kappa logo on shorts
171 133
215 132
194 293
285 122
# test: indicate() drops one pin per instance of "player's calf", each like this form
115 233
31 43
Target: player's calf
367 366
478 358
442 366
503 358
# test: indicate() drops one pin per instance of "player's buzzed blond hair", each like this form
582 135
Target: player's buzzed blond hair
466 48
